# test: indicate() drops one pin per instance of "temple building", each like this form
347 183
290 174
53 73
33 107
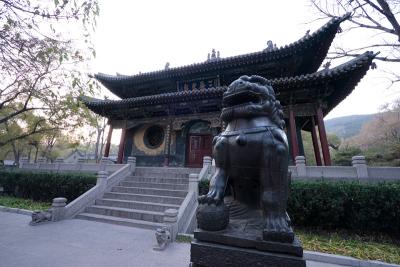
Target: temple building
169 117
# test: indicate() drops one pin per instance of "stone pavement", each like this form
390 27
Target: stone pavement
85 243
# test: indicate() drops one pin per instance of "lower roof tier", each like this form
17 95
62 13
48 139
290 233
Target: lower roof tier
327 87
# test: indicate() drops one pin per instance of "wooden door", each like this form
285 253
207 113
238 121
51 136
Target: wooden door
198 146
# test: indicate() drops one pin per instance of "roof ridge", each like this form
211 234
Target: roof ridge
272 53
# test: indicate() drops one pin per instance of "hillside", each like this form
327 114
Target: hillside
347 126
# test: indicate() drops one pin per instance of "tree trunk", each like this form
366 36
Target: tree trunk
96 151
16 152
102 142
29 154
36 153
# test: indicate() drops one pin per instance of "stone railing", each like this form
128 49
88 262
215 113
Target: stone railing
358 171
207 169
104 183
59 166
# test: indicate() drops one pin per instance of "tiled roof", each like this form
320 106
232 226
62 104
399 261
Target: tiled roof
317 45
345 76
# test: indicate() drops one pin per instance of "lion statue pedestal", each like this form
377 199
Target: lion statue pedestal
251 157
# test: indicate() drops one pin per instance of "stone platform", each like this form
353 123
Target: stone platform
205 254
241 244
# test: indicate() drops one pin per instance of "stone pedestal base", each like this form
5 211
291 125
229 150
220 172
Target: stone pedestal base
204 254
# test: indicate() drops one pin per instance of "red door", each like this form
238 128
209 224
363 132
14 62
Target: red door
198 147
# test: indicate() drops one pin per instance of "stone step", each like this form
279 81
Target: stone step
167 170
150 216
149 191
136 205
119 221
155 185
159 174
144 198
147 179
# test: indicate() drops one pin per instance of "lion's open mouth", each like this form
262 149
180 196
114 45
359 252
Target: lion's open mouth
241 98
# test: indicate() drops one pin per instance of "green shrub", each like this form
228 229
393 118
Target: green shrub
367 207
203 187
44 186
343 156
372 207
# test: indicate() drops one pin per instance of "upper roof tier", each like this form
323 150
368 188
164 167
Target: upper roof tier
301 57
329 86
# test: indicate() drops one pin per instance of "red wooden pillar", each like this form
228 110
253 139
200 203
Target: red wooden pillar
108 144
121 146
293 134
315 142
323 138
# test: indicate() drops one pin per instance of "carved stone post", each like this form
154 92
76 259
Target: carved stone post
22 161
171 219
58 161
301 166
132 162
39 161
207 161
58 208
79 164
360 164
103 162
194 183
102 180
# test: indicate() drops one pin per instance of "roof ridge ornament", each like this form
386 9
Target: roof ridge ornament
215 55
270 46
167 66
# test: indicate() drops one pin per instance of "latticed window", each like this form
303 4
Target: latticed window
154 136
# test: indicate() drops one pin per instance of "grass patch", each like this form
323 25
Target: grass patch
361 246
366 247
183 238
20 203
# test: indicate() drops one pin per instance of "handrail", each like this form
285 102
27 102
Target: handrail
103 185
118 175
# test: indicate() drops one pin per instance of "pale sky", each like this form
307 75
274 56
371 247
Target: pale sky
141 36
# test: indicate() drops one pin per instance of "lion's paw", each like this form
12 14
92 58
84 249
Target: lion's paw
277 229
215 196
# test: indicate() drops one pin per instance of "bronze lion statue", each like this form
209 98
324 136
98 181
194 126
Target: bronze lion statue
251 157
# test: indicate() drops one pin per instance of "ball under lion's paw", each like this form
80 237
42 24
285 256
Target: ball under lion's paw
211 217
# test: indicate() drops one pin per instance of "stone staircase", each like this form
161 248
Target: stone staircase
140 200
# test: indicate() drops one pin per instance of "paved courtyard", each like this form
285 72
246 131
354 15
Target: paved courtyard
85 243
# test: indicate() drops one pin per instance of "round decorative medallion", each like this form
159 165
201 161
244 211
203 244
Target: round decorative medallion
154 136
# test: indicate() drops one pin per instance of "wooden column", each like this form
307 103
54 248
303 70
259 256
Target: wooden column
323 138
293 134
108 144
121 146
315 142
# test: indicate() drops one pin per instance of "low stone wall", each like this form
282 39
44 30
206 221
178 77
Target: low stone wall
358 171
60 166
